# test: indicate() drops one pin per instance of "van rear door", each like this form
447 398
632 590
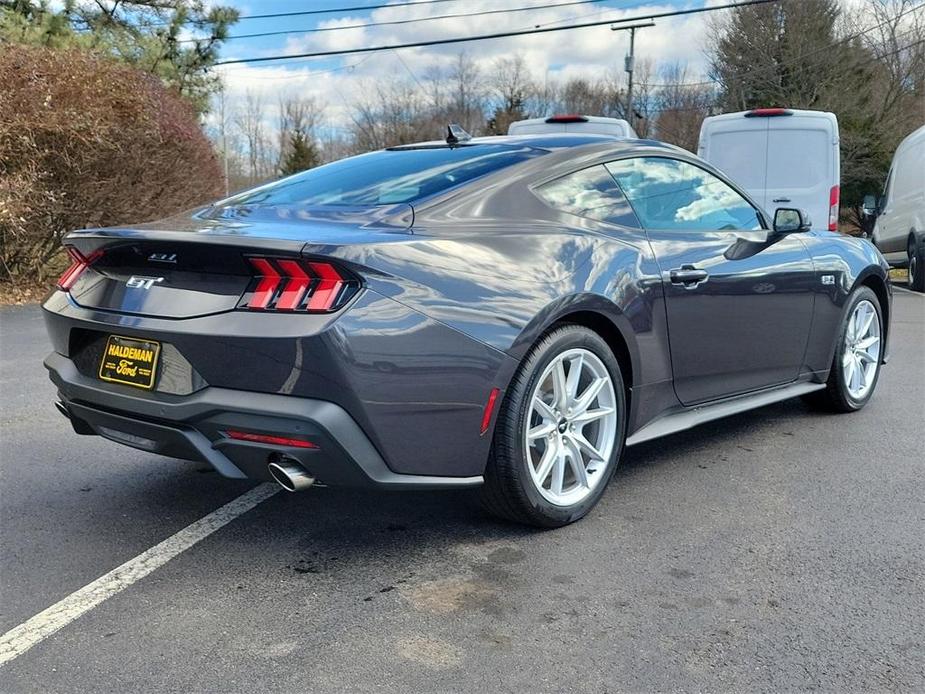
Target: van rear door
738 146
803 166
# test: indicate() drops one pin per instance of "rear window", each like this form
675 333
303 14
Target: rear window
799 159
742 154
387 177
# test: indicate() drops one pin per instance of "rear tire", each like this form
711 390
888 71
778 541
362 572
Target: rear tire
560 431
856 365
916 251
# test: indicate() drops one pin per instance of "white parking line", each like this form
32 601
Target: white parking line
20 639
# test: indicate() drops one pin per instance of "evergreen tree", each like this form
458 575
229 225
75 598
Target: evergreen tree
146 34
302 154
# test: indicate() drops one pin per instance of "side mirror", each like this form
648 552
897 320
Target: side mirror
791 221
869 207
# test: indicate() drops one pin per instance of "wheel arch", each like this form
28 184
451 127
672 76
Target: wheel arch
595 312
610 333
878 285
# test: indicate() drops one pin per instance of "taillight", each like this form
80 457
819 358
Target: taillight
567 118
833 209
296 284
768 112
79 263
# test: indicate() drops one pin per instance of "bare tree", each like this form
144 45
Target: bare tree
467 98
599 97
299 117
682 106
249 122
644 103
392 114
511 87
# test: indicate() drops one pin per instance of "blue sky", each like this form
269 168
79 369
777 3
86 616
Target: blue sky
515 20
339 82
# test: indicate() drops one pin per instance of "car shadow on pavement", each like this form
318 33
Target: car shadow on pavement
367 522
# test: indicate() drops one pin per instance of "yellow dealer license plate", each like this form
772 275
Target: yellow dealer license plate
130 361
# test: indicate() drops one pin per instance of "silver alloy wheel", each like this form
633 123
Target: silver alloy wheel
861 356
571 427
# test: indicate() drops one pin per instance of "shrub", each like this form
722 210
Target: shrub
85 141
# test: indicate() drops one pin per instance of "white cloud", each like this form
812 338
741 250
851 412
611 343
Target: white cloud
590 52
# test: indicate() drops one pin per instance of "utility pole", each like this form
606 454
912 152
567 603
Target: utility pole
224 134
628 66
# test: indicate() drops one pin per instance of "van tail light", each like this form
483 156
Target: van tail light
79 263
567 118
297 285
768 112
833 209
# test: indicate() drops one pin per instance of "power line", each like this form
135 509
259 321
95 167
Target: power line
596 13
304 75
408 69
499 35
395 22
340 10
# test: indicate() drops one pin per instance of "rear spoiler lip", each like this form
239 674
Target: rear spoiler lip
286 235
88 240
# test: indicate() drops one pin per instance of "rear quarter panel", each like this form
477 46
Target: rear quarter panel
474 265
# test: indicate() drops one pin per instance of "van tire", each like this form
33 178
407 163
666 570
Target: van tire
916 266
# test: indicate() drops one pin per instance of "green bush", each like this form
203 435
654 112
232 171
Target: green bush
84 142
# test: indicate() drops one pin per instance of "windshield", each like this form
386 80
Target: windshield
387 177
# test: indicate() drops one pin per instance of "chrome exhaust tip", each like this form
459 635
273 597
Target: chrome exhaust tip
290 475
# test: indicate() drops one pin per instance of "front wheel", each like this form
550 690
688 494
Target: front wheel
856 366
560 431
916 265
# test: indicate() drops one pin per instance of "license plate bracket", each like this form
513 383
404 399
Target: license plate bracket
130 361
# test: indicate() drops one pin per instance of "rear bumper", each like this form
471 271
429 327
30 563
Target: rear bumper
193 426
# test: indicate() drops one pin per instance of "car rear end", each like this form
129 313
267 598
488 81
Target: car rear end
262 333
186 347
784 158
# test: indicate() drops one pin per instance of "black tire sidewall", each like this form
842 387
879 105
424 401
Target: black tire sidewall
554 343
916 251
838 376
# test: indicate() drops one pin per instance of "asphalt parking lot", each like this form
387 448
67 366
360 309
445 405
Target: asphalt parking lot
778 550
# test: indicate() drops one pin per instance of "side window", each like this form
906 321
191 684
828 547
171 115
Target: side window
669 194
589 193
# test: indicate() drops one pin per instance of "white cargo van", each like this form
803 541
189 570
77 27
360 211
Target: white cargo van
782 157
572 123
899 231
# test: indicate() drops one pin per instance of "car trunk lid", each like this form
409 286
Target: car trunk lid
202 264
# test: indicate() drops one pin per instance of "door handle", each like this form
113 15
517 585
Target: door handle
688 275
781 200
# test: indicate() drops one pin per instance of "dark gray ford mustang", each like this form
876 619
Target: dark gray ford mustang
503 312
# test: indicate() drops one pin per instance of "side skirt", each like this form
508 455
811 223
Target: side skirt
690 417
